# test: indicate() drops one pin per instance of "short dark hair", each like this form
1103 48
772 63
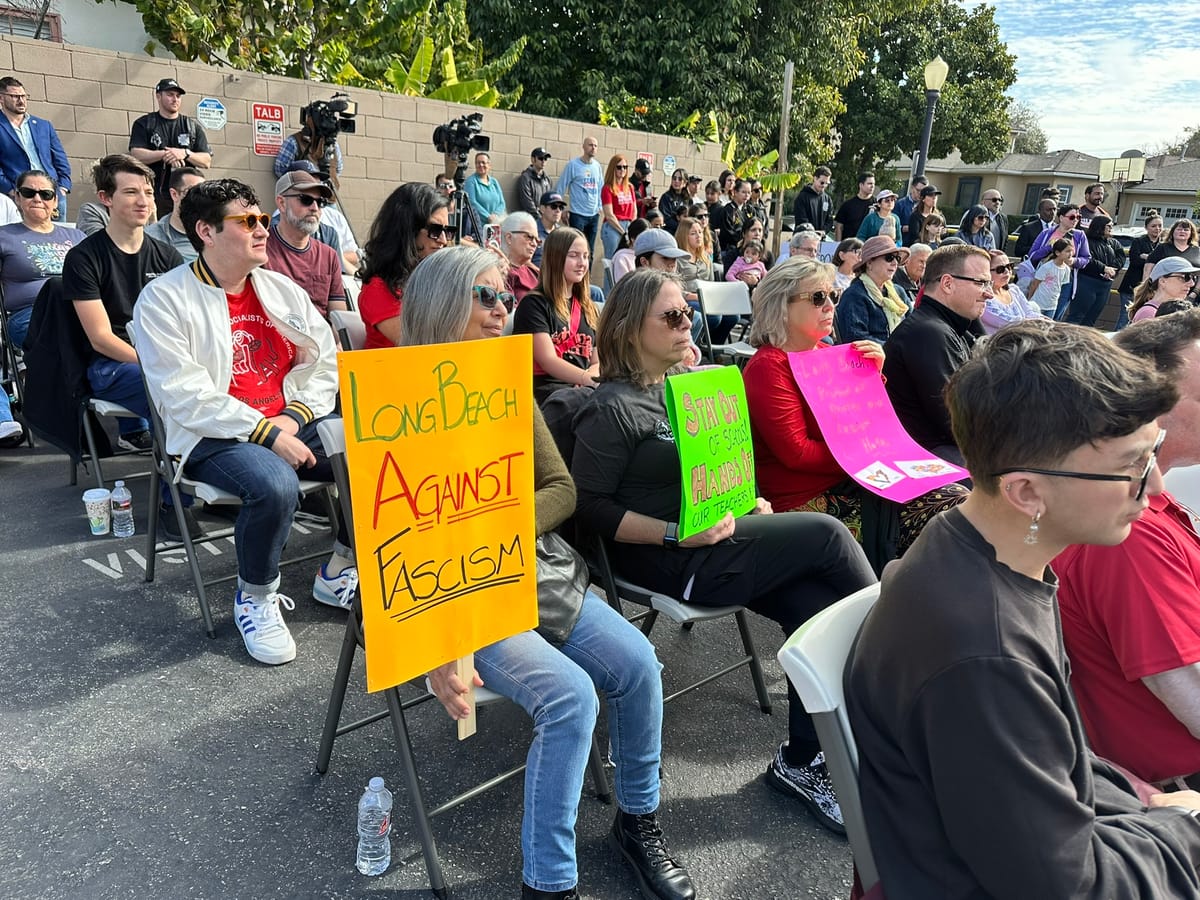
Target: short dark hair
208 202
1171 307
863 176
918 179
9 82
177 176
391 248
1162 340
1037 390
949 261
36 173
822 170
105 171
1091 187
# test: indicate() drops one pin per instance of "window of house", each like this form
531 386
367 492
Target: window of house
24 23
1064 193
1169 213
968 192
1033 193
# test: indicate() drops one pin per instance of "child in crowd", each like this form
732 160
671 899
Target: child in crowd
1051 276
655 217
750 261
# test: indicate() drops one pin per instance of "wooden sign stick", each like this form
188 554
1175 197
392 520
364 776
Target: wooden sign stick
466 673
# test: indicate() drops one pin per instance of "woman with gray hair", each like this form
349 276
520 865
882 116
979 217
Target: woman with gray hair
627 470
519 240
793 313
553 674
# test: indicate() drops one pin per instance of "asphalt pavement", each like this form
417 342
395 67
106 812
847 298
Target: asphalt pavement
145 760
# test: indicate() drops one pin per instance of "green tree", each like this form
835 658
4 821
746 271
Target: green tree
418 47
885 103
668 61
1032 137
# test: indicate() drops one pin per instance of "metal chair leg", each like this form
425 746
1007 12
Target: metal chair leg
599 773
437 881
91 442
760 685
337 696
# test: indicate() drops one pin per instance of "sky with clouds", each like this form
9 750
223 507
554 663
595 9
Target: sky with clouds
1105 76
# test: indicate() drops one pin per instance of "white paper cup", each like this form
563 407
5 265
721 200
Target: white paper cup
98 503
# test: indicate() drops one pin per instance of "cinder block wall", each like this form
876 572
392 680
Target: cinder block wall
93 96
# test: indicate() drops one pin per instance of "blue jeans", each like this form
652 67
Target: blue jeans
18 326
588 225
611 239
1123 312
119 382
269 489
1064 300
1091 296
557 687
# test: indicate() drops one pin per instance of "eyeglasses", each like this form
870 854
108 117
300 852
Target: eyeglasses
532 238
1181 276
1071 216
890 257
622 168
250 221
489 297
309 200
559 206
438 232
1001 269
994 200
978 282
818 298
1139 480
17 96
673 317
29 193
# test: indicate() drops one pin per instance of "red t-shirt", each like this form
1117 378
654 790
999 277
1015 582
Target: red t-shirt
1131 611
521 280
377 303
623 204
261 355
316 268
792 462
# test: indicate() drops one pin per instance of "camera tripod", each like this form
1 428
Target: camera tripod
462 204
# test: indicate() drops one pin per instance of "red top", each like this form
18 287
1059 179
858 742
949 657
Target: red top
521 280
792 462
624 206
261 355
377 303
1127 612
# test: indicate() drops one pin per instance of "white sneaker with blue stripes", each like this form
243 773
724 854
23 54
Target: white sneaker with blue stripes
262 628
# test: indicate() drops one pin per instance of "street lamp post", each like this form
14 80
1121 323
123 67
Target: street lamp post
936 71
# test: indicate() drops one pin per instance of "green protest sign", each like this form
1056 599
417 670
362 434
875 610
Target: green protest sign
708 414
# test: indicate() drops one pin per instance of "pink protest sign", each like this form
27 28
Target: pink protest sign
858 423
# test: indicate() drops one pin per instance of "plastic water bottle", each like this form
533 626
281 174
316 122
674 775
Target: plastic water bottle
122 511
374 826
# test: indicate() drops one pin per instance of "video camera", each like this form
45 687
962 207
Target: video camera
460 136
330 117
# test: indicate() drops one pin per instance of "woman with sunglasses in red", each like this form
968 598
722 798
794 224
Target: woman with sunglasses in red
412 223
872 306
1068 219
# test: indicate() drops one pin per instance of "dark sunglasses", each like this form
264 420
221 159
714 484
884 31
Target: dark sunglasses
309 200
440 232
1071 216
489 297
674 316
29 193
999 269
1180 276
818 298
250 221
621 168
703 217
892 257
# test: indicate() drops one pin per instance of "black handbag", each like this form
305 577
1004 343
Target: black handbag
562 580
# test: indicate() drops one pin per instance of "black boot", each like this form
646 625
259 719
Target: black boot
528 893
640 841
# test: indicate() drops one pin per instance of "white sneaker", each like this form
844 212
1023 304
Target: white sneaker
336 590
10 429
266 636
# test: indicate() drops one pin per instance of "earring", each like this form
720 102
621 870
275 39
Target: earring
1032 537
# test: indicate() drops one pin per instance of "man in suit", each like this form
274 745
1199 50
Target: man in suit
28 143
1028 233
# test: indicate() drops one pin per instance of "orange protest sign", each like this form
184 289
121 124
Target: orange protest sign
439 443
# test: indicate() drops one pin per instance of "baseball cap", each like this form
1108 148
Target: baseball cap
168 84
303 165
929 191
694 179
301 182
1172 265
642 166
655 240
551 198
540 153
884 194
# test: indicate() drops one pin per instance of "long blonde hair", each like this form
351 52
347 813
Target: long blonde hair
684 232
553 283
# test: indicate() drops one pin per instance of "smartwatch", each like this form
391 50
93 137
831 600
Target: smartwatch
671 536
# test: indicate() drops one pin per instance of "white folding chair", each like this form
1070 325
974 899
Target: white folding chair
350 328
102 408
725 298
815 658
